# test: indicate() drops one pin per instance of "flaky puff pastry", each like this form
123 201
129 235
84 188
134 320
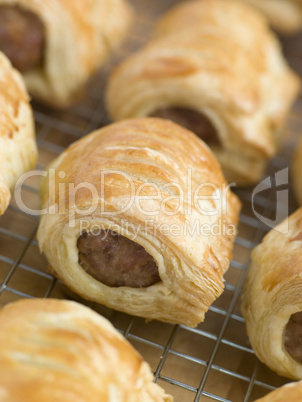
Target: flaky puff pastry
18 149
297 173
58 350
284 15
272 294
158 185
290 392
79 36
219 58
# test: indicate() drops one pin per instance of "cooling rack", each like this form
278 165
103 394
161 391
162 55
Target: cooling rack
211 362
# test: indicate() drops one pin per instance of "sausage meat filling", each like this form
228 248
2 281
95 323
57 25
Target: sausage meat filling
22 37
192 120
293 337
115 261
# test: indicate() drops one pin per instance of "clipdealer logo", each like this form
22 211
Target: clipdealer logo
151 200
279 187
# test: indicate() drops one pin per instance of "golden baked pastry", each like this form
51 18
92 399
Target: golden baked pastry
18 149
284 15
297 173
58 350
145 224
215 68
59 44
272 298
291 392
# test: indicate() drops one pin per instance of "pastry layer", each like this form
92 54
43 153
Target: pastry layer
217 59
284 16
58 350
161 191
290 392
61 43
18 150
272 298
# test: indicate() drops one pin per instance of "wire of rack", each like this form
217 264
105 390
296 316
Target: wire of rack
211 362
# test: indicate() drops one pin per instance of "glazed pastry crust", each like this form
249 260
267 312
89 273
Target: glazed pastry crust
284 16
80 35
290 392
217 57
272 293
58 350
140 158
296 173
18 149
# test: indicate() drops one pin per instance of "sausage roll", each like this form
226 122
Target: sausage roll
215 68
290 392
272 298
57 350
297 173
284 15
18 149
59 44
139 217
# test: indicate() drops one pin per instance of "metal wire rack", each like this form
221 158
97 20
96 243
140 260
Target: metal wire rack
211 362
